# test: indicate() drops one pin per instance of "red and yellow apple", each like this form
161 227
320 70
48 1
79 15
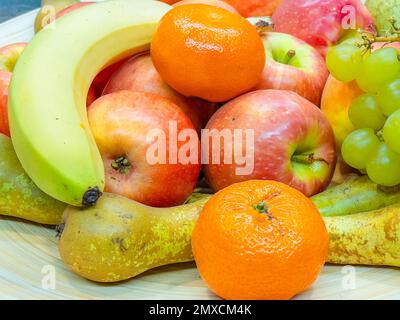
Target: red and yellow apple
293 142
73 8
247 8
321 23
122 124
217 3
91 97
8 58
101 80
335 103
294 65
254 8
139 74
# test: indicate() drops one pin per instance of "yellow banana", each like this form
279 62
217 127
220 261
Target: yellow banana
47 108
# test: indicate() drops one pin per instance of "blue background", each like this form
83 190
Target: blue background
13 8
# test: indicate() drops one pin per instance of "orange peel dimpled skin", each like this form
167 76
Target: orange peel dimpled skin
208 52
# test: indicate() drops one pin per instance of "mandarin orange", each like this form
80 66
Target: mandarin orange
259 240
207 52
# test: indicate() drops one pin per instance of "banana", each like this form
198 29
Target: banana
47 111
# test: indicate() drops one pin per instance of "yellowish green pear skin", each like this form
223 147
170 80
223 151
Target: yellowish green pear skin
356 194
370 238
119 238
19 196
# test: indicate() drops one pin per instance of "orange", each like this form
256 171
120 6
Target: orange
259 240
207 52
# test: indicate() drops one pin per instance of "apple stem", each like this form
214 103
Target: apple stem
304 158
121 164
289 55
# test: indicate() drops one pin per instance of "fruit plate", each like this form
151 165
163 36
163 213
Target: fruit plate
30 266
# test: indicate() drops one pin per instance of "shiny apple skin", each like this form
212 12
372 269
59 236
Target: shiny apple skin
138 74
305 73
284 124
73 8
120 123
8 58
319 22
336 99
5 78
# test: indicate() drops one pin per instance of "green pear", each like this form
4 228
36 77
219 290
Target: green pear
19 196
383 11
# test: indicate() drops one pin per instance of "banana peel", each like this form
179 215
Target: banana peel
367 238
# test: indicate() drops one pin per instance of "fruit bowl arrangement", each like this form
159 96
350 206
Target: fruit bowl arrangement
138 136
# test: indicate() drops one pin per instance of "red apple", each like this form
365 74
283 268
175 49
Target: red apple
293 142
139 74
247 8
73 8
8 58
294 65
217 3
5 78
122 123
254 8
91 97
101 80
321 23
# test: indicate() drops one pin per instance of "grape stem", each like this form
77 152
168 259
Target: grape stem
393 35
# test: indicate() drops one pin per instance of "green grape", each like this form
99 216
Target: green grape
380 68
352 37
344 61
388 97
364 112
391 131
383 166
358 146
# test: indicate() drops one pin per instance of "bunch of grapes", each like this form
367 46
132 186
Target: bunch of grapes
374 147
